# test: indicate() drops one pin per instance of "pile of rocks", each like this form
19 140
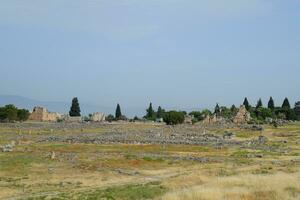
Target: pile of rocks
7 148
147 137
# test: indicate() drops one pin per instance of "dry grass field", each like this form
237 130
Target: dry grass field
39 169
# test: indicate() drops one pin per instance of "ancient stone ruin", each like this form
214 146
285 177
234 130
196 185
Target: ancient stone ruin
42 114
98 117
243 116
188 119
212 119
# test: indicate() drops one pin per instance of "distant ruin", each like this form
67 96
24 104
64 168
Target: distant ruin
98 117
243 116
211 119
43 115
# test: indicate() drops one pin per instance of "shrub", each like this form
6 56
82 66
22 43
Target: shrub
12 113
197 115
174 117
263 113
23 114
297 110
110 118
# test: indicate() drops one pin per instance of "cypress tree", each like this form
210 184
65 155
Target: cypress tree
246 103
160 112
118 112
271 104
233 108
286 104
150 112
259 104
217 110
75 108
297 110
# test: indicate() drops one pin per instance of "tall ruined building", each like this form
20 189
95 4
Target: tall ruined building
243 116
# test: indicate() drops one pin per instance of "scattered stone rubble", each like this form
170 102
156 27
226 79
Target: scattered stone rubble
152 137
116 133
8 147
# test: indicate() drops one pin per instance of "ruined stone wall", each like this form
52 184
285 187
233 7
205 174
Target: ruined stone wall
243 116
98 117
42 114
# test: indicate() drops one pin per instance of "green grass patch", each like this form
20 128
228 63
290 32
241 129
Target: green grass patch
17 162
147 158
129 192
241 153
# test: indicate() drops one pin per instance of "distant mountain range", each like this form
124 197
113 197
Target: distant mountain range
53 106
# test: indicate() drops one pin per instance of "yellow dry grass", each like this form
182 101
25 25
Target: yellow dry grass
236 173
244 186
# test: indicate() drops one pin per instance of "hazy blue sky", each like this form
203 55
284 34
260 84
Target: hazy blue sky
175 53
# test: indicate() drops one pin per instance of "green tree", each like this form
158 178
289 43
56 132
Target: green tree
118 112
259 104
174 117
246 103
150 115
197 115
75 108
160 112
297 110
110 118
23 114
234 110
226 112
206 112
271 104
290 114
217 110
11 112
263 113
2 114
286 104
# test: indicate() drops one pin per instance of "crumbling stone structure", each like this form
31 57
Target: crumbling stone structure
42 114
243 116
211 119
188 119
98 117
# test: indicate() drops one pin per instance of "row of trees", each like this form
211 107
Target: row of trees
151 114
10 113
258 112
170 117
285 111
75 111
